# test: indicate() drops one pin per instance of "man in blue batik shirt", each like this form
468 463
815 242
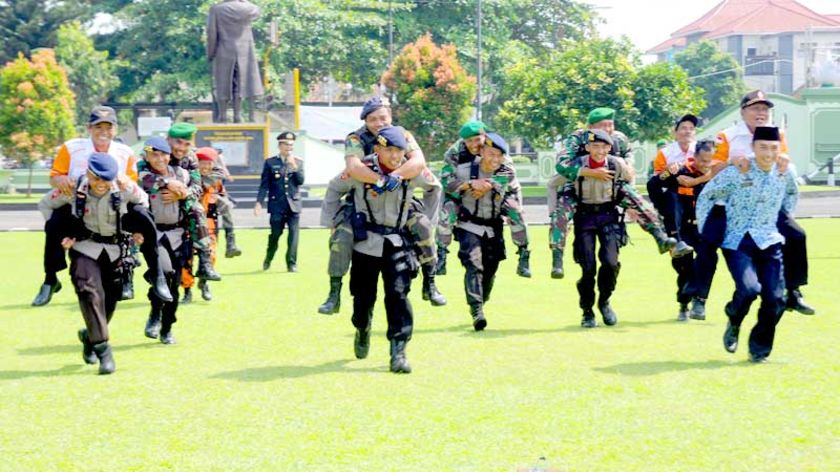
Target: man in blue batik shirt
752 244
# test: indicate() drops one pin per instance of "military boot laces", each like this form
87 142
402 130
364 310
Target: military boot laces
524 267
399 363
333 303
557 264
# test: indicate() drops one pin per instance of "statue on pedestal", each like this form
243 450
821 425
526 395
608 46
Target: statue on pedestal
231 51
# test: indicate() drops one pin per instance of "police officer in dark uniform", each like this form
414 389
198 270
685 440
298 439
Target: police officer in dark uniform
382 244
281 179
597 219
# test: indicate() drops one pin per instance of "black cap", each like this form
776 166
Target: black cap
756 96
766 133
372 105
286 136
102 114
599 135
687 117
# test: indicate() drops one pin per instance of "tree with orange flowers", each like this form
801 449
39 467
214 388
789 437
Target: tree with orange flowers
431 93
36 108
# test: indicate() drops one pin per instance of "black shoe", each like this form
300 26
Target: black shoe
291 268
45 294
187 299
431 292
479 321
361 343
557 264
87 348
205 290
756 359
698 309
664 242
153 324
127 292
161 288
796 302
681 250
167 338
205 269
524 267
333 303
441 261
588 320
730 337
399 364
683 314
230 245
266 264
106 358
608 314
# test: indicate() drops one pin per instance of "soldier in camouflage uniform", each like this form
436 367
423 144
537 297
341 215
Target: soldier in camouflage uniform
376 114
383 243
465 151
569 169
485 189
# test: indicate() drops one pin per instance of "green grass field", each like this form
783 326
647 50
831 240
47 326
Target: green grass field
260 381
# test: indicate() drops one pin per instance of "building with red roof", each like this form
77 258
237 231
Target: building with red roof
778 43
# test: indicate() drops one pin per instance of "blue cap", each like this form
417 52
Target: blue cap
599 135
392 136
156 143
103 165
496 141
372 105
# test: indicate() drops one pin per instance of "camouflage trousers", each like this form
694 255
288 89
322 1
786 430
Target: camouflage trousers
199 232
565 203
449 217
341 241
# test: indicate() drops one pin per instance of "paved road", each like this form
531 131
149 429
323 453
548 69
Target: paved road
29 220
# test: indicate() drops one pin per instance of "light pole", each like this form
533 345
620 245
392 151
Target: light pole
478 65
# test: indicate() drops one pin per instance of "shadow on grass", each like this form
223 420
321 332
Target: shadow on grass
253 272
25 306
76 348
71 369
267 374
641 369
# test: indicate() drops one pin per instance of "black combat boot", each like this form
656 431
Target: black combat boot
187 296
607 313
683 313
682 249
333 303
160 287
230 244
730 336
557 264
87 348
663 241
205 290
524 267
477 313
399 364
106 358
45 293
441 260
166 336
588 319
430 290
698 309
127 290
153 324
361 343
796 302
205 269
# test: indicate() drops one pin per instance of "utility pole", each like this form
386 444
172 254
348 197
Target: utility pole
478 58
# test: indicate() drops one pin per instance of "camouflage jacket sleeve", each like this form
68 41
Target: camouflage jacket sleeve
195 188
567 163
353 147
623 148
507 185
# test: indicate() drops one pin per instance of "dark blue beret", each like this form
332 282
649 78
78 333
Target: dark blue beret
496 141
156 143
103 165
599 135
372 105
392 136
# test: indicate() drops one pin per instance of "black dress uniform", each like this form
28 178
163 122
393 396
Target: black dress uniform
96 253
282 186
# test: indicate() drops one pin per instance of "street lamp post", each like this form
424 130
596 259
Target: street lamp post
478 58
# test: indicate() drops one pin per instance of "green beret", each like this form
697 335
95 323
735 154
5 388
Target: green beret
471 128
182 130
661 143
600 114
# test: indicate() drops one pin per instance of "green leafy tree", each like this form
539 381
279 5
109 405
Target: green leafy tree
29 24
552 98
716 72
91 75
36 108
431 93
